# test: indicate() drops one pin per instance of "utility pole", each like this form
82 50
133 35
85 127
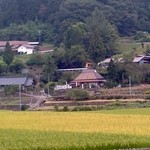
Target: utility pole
48 85
130 85
39 33
20 95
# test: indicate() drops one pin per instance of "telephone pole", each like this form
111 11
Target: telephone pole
130 85
39 33
48 85
20 96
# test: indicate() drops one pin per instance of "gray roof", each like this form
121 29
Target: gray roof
138 58
29 82
16 81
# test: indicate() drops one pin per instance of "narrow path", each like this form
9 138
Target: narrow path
89 102
40 99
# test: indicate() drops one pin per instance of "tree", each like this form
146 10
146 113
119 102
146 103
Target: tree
74 35
112 71
95 47
8 55
36 59
49 69
75 57
16 66
100 41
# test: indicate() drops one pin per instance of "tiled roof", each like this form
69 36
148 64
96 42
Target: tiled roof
89 75
3 43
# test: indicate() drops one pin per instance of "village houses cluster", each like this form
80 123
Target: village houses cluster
88 76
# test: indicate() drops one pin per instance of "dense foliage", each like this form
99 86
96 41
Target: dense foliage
81 30
128 16
92 24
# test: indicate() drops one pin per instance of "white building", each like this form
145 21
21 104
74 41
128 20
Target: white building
26 49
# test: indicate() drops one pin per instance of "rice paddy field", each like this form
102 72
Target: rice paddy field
99 130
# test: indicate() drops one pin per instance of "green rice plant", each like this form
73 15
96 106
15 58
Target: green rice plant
90 130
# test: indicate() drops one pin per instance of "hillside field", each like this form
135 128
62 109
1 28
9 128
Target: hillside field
109 129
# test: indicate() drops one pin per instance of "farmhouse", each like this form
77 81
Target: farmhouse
13 44
105 63
90 78
19 46
140 59
20 81
26 49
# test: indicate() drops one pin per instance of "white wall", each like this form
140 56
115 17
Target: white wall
23 49
62 87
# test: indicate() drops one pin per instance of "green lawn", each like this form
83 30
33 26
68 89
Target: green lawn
133 48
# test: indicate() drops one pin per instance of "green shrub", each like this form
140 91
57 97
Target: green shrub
77 94
56 108
65 108
109 97
118 97
24 107
10 90
36 59
84 108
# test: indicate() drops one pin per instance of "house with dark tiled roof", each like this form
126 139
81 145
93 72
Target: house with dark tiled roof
105 63
90 77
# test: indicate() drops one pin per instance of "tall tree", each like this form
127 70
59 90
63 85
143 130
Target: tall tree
8 55
75 57
112 72
50 68
102 36
74 35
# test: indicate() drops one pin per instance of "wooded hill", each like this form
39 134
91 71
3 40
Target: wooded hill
92 25
127 16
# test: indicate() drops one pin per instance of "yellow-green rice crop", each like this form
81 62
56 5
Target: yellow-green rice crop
62 130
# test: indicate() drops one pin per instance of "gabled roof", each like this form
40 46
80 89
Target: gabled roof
138 58
28 46
142 58
3 43
89 75
16 81
106 61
